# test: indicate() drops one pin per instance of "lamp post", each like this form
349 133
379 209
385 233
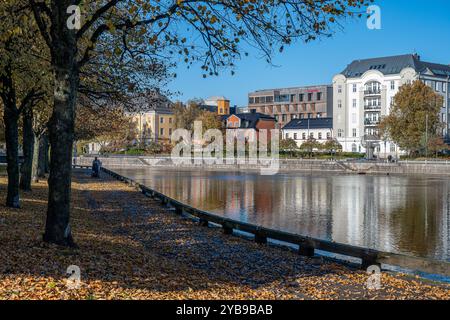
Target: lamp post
426 136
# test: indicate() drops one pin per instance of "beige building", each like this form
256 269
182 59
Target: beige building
156 120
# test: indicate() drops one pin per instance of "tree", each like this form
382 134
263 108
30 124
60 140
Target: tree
288 145
21 85
332 146
309 145
413 116
106 126
216 28
436 145
210 120
186 115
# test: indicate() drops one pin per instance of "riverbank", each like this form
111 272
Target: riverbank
418 168
132 248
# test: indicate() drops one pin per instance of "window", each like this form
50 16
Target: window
251 100
339 89
354 103
301 96
170 120
320 136
311 135
354 133
284 118
161 120
304 136
161 131
354 148
319 96
392 85
310 96
328 135
295 136
319 115
292 97
339 103
340 133
392 147
354 87
437 86
287 135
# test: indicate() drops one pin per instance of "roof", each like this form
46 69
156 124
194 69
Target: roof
215 98
312 123
259 91
394 65
151 101
207 107
249 120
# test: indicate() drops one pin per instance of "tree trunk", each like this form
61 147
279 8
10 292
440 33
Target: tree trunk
12 156
61 126
43 156
35 163
28 146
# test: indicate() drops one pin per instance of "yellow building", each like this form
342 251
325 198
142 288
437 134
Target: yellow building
220 104
154 125
155 121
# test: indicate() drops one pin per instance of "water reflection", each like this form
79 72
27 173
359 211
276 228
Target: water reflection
398 214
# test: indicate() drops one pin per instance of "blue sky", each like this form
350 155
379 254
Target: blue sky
408 26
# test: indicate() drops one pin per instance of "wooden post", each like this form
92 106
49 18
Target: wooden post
306 249
369 260
227 229
260 238
179 210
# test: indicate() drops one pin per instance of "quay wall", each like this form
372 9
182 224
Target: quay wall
438 168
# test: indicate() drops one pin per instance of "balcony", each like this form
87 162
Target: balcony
371 92
371 137
371 122
372 106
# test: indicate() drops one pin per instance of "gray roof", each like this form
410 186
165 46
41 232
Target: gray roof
151 101
312 123
394 65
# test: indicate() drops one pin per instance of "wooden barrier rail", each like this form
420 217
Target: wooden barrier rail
307 245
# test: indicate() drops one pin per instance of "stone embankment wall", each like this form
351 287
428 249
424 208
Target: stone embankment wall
285 165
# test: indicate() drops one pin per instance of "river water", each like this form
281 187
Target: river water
401 214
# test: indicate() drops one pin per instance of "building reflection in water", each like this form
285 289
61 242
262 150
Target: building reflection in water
398 214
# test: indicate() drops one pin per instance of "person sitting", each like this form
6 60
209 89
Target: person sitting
96 164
